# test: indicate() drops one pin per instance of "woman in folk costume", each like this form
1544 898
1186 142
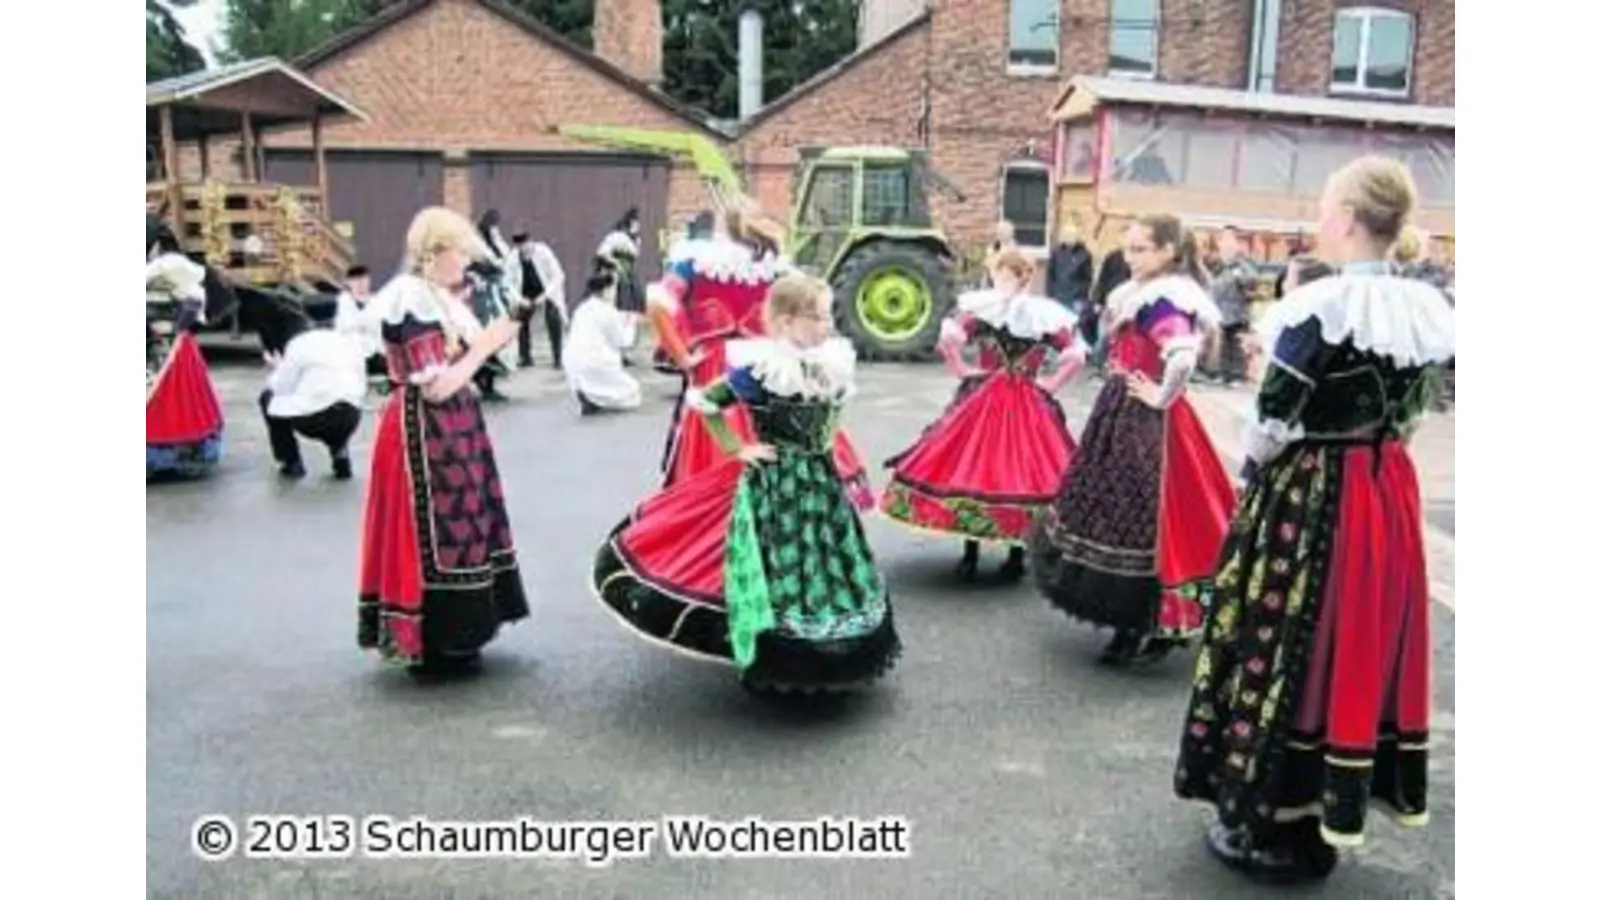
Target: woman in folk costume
988 468
1311 692
711 293
620 249
439 572
182 417
1144 506
761 560
600 334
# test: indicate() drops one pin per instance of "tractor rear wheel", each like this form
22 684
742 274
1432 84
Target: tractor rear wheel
890 299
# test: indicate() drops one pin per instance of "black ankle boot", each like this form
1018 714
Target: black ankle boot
967 569
1016 565
1124 644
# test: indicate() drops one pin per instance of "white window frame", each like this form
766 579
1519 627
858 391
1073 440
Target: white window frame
1155 48
1029 165
1032 70
1367 14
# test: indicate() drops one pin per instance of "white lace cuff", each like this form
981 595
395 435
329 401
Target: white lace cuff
1179 366
1264 439
696 399
951 334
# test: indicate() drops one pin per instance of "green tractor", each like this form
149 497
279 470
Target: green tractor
860 219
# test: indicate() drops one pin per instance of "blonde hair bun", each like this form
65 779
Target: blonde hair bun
1380 193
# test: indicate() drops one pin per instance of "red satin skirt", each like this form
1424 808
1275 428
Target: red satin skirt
181 407
988 468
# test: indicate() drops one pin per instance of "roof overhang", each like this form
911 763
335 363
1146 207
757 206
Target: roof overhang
213 101
1084 94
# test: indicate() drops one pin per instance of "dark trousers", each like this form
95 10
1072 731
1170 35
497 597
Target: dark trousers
333 426
553 327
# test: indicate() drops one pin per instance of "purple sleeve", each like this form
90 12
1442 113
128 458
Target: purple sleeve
1163 321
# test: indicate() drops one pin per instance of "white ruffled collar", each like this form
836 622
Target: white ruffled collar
1023 315
727 260
1181 291
824 372
419 298
1406 320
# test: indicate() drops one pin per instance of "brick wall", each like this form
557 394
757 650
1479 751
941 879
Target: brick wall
456 77
629 34
1305 47
878 100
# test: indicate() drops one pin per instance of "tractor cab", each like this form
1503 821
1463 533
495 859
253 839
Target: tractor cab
844 190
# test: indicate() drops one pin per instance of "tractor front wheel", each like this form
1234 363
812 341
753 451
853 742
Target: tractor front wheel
890 300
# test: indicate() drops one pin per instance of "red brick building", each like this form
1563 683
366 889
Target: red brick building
464 96
974 80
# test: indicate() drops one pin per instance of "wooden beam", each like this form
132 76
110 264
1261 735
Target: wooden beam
205 156
247 133
317 152
169 163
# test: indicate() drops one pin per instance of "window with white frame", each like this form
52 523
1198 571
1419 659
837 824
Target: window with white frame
1372 51
1135 35
1035 35
1025 202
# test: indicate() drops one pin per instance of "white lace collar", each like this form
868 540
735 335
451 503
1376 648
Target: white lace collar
727 260
1024 315
419 298
824 372
1131 297
1406 320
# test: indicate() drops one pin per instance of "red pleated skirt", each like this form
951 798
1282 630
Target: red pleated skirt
988 467
181 406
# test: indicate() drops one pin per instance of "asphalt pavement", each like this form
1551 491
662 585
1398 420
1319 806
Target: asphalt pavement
1024 769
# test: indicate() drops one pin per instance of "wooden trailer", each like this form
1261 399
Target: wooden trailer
258 233
1213 156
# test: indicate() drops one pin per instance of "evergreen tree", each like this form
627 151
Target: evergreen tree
167 51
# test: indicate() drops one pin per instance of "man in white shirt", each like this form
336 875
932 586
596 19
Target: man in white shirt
315 389
347 319
600 334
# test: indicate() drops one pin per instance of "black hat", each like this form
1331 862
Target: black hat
357 272
520 237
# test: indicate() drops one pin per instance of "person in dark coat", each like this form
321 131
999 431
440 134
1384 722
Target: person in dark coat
1070 272
1113 272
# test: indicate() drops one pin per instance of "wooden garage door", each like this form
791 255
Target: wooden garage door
570 201
377 192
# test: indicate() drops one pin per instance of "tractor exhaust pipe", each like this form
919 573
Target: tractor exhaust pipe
751 40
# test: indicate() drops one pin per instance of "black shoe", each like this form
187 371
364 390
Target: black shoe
493 395
1230 845
967 569
1015 568
1283 862
341 468
1152 650
525 363
293 470
1123 646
